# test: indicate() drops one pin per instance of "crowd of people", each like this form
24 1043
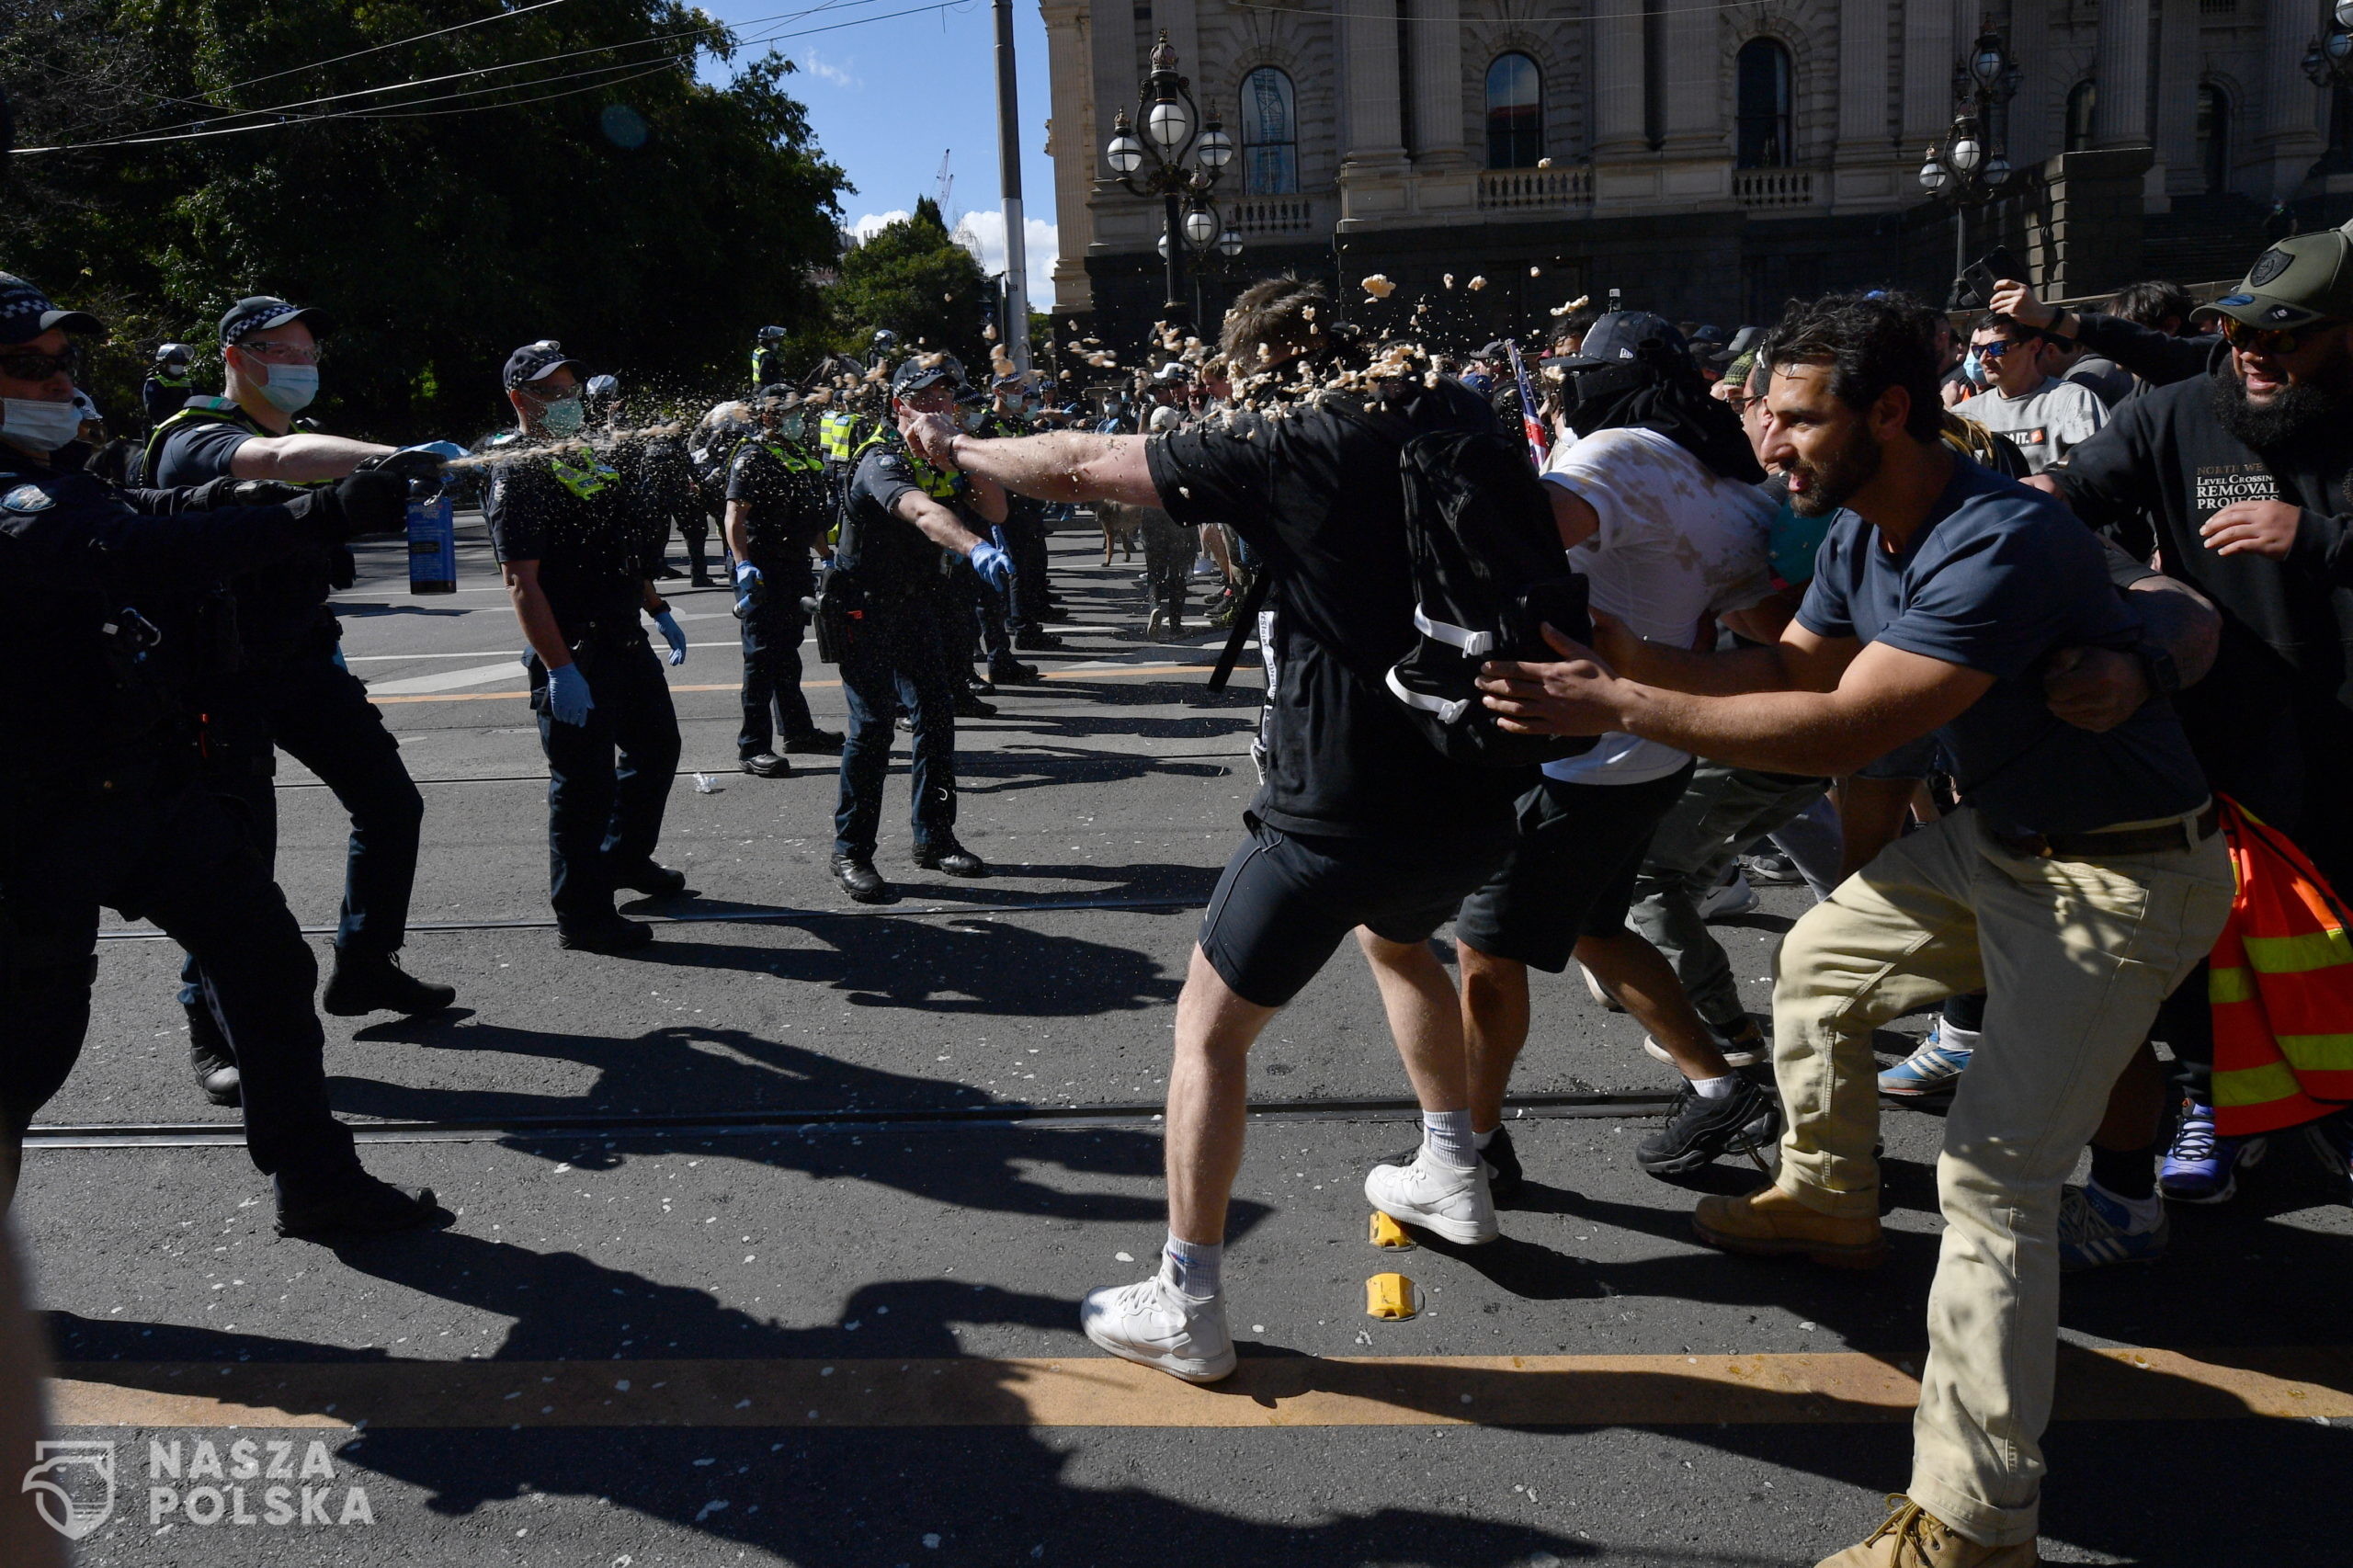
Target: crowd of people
1982 629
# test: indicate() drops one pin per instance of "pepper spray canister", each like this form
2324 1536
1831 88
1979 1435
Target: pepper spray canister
433 546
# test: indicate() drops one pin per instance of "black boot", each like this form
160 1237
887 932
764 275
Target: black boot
375 982
209 1059
947 855
614 934
651 879
858 879
356 1204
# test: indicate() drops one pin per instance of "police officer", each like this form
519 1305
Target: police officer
779 509
1014 401
99 799
904 527
288 689
768 359
579 553
170 382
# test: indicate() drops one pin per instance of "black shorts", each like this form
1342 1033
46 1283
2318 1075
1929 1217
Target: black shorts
1571 870
1286 902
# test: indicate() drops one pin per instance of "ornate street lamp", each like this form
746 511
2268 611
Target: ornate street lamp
1970 168
1178 156
2328 59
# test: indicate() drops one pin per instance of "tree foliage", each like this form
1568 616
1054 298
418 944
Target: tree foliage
912 278
602 195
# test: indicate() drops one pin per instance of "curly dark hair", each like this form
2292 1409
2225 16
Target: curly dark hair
2152 303
1871 342
1272 320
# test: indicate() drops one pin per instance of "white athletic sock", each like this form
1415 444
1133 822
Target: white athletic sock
1953 1036
1446 1135
1198 1266
2145 1211
1716 1088
1484 1139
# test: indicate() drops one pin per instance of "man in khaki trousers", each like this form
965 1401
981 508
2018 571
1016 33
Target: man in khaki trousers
2079 883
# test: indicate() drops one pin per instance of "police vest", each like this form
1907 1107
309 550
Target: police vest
585 476
199 411
938 485
844 437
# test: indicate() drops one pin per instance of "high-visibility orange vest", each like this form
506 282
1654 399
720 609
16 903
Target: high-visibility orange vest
2280 982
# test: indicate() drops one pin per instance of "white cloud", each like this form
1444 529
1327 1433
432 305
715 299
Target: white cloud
824 70
986 230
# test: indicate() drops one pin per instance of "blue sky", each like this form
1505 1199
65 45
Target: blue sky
888 96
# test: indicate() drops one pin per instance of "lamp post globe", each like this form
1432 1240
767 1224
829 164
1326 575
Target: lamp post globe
1215 149
1932 173
1229 245
1169 125
1200 228
1967 153
2344 14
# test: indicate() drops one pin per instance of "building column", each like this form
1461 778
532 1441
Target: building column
1928 60
1698 101
1372 157
2294 112
2121 113
1620 72
1073 141
2178 59
1865 162
1436 33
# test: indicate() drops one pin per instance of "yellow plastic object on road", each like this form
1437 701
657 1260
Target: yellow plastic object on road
1388 1232
1390 1296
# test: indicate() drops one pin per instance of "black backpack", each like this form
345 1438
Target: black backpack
1489 575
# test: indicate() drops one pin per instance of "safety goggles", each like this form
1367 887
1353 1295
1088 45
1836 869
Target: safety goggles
29 364
2270 339
282 353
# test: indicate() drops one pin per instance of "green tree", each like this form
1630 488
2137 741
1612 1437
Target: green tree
914 279
561 173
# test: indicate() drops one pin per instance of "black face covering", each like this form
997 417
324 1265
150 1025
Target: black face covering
1662 393
2296 415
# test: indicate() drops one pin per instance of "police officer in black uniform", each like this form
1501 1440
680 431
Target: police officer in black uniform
905 526
1013 402
289 689
768 359
779 509
580 553
100 802
170 382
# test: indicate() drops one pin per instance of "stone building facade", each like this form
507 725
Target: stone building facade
1706 159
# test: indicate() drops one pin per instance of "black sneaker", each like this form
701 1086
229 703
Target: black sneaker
1035 640
359 1205
1011 672
651 879
375 982
216 1074
1699 1130
968 706
858 879
615 936
1500 1159
766 764
949 856
816 742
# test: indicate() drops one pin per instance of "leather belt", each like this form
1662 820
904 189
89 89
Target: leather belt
2100 843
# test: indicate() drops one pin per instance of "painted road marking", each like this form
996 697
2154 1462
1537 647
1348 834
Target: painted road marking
1085 1391
447 680
805 686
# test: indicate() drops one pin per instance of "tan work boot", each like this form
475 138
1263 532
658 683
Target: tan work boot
1769 1223
1913 1538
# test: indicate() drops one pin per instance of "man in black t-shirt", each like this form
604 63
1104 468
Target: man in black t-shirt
1361 824
285 687
779 509
579 555
904 526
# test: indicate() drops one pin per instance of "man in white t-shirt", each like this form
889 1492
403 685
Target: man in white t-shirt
1657 498
2043 415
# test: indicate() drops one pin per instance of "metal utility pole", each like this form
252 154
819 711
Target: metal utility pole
1008 164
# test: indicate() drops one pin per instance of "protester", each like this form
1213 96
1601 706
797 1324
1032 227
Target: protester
2041 415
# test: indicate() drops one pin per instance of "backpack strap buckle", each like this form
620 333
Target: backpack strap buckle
1474 644
1448 710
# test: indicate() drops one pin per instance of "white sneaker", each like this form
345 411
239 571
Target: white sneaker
1455 1203
1155 1325
1601 994
1728 899
1734 1055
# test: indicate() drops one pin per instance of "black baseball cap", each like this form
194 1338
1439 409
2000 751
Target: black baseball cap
26 312
259 312
1498 349
2306 278
535 361
1620 335
918 371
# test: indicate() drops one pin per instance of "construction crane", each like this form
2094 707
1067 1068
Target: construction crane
944 189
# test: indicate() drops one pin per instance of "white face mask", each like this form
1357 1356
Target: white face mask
38 425
291 387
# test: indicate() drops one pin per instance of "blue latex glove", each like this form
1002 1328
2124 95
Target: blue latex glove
750 588
568 698
994 565
668 625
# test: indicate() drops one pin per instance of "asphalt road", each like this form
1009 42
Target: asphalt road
770 1236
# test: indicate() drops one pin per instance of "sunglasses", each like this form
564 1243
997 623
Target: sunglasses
1995 349
2269 340
26 365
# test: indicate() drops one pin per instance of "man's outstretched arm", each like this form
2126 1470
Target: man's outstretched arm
1067 465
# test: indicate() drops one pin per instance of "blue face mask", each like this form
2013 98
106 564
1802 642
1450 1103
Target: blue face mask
1974 371
291 387
37 425
563 417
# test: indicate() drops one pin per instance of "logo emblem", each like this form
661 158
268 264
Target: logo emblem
27 498
72 1481
2268 265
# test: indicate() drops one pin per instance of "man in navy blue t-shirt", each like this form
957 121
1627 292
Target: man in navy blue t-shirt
2082 874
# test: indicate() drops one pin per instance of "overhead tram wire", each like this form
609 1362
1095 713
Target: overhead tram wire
195 128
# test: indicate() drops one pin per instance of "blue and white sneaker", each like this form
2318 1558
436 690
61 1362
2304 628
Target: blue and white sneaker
1933 1069
2201 1166
2097 1229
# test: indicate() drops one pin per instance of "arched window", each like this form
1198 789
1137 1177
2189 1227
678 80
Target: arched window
2083 98
2214 138
1269 135
1765 131
1515 113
